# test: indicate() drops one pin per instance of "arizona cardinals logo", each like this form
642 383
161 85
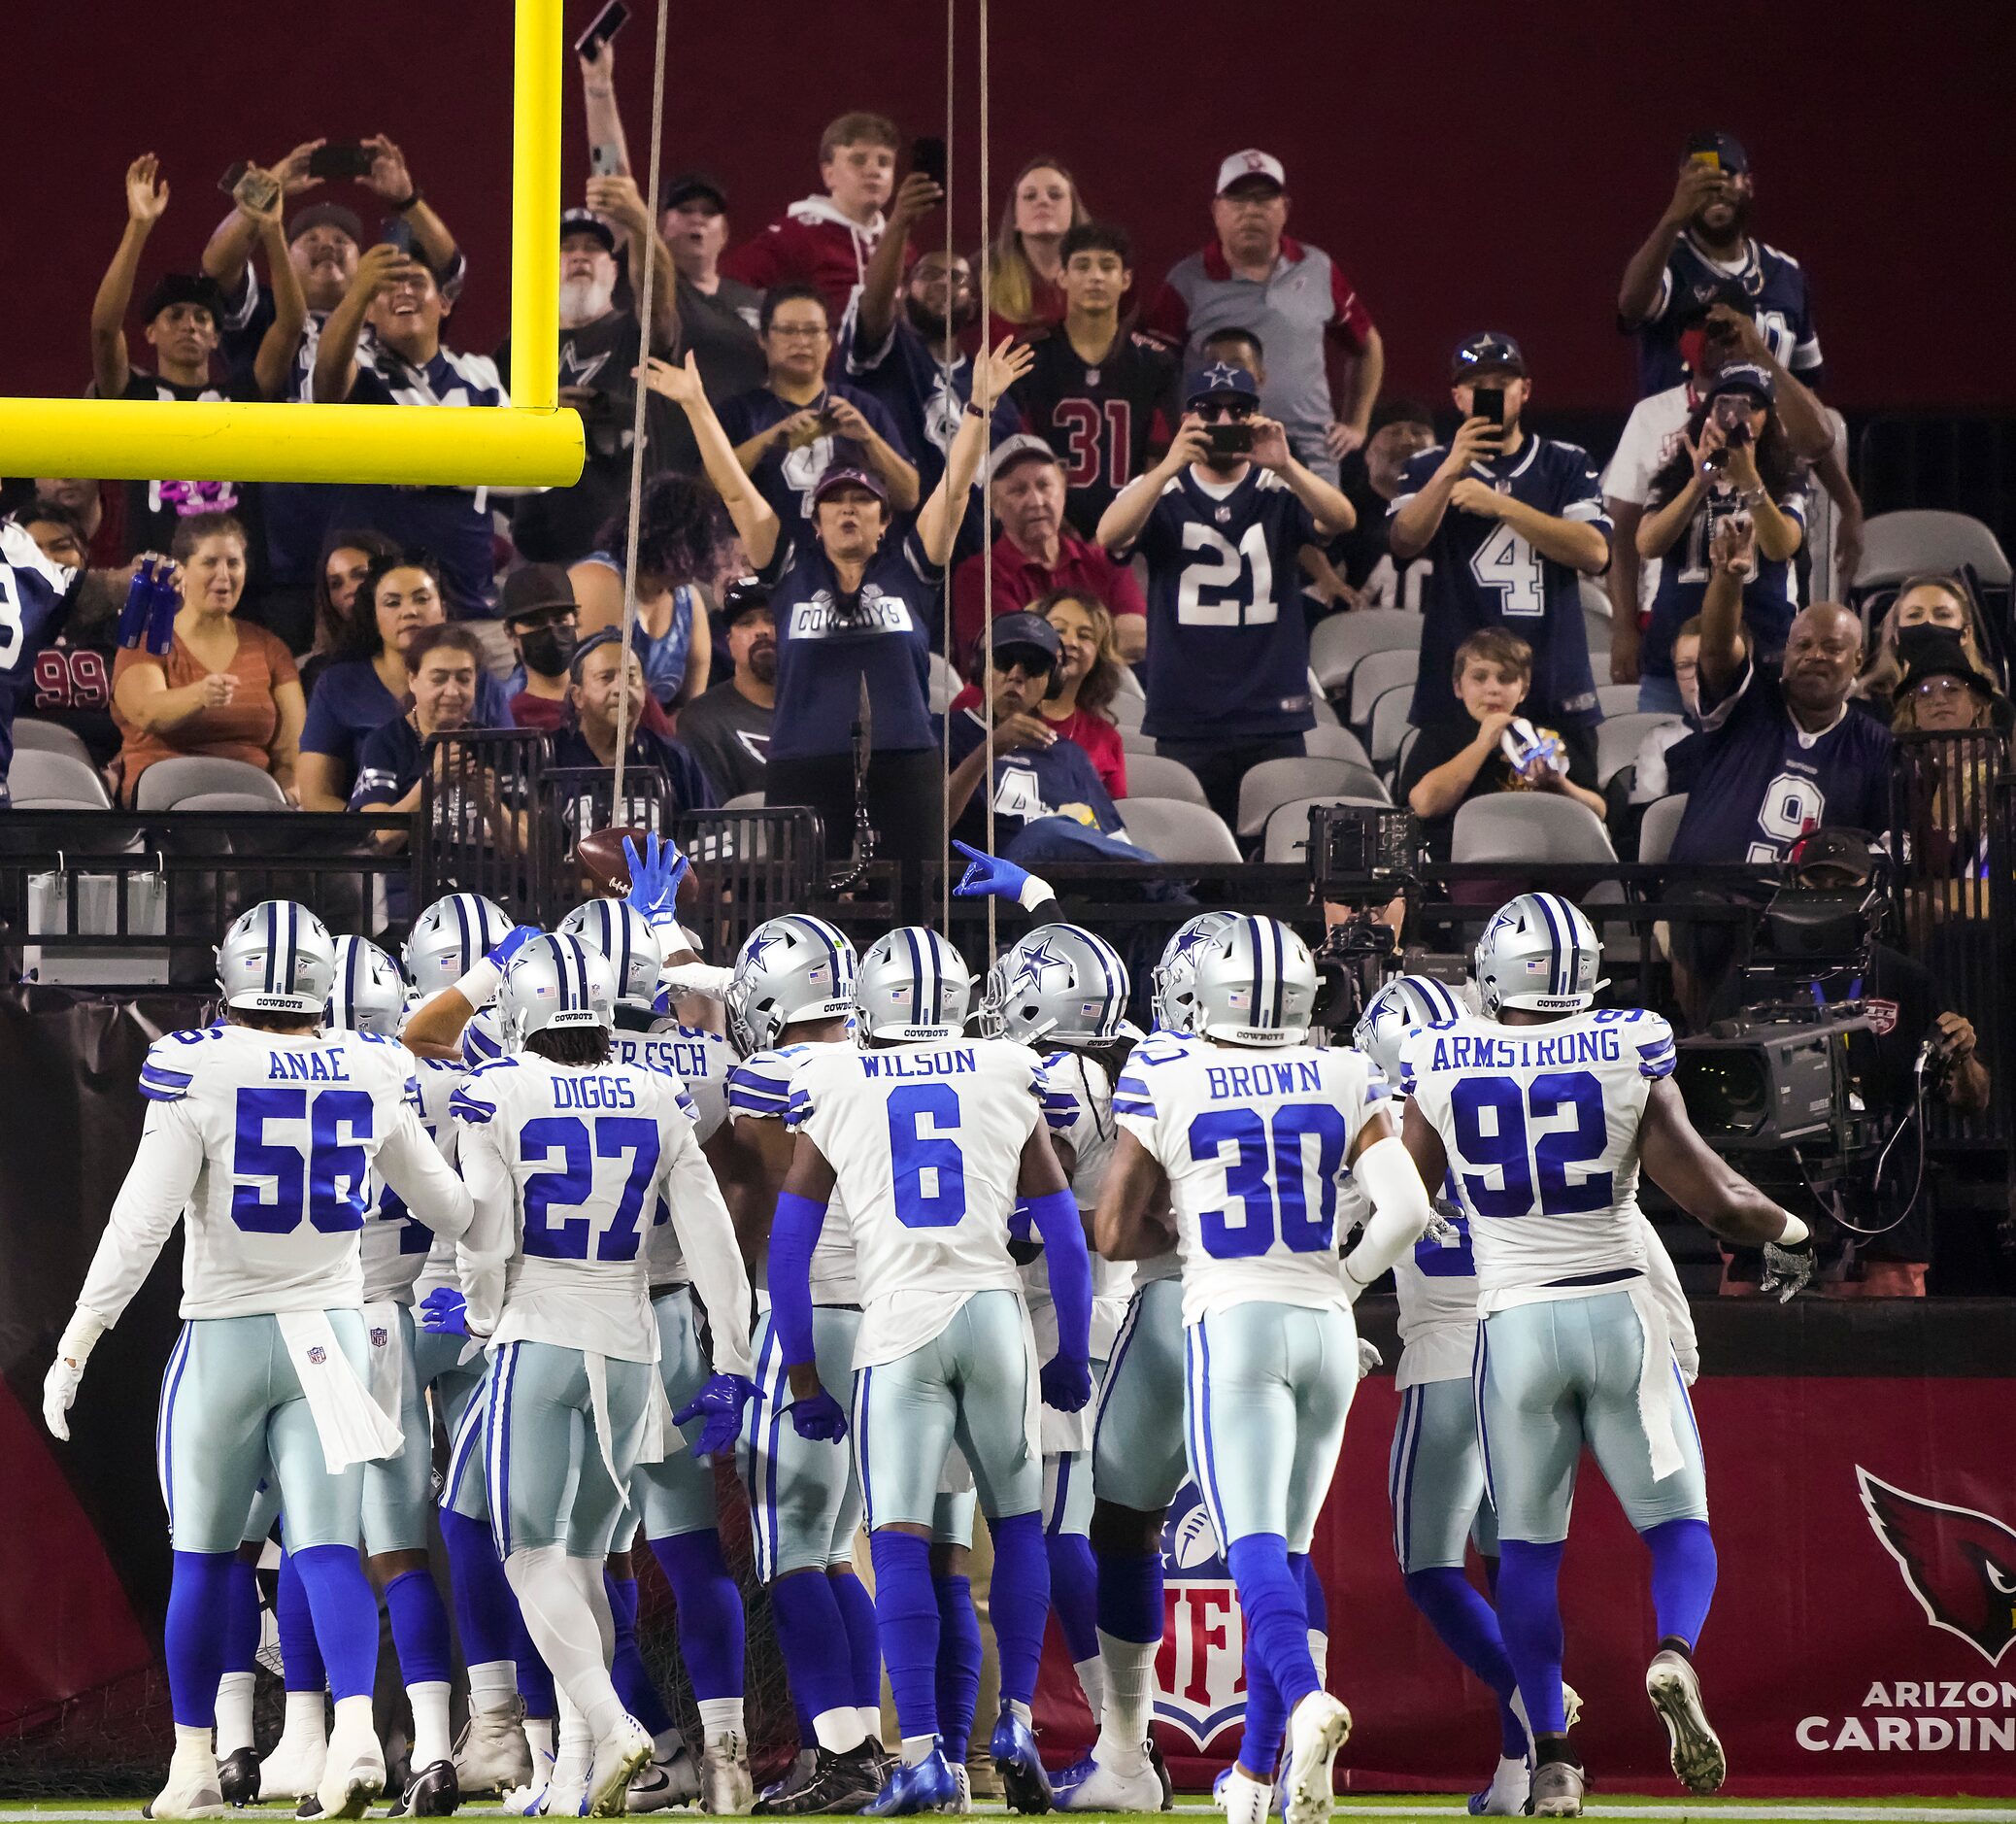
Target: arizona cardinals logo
1959 1564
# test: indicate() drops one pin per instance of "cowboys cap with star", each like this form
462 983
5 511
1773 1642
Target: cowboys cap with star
1220 381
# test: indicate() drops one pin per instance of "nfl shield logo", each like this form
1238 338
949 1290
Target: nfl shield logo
1199 1669
1223 516
379 1338
318 1355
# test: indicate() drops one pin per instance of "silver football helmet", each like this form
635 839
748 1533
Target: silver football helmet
370 993
450 937
788 969
1173 984
556 982
1255 984
277 958
1401 1004
484 1039
623 934
1057 981
1538 953
913 985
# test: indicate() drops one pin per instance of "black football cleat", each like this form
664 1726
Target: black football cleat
238 1777
432 1792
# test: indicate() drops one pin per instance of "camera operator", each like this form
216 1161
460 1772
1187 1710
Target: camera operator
1905 1010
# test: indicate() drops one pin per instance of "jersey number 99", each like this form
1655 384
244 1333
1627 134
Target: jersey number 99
1269 1176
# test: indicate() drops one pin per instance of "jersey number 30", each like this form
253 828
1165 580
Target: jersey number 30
1495 1116
1269 1176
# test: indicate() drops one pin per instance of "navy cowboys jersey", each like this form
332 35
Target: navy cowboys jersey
34 602
786 476
1107 421
1757 781
1779 304
1488 575
1227 643
1770 597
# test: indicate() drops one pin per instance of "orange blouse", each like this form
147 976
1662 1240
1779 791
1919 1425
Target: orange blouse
242 730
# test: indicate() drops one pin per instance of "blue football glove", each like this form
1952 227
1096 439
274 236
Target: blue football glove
511 943
719 1403
817 1416
989 877
445 1312
654 877
1066 1382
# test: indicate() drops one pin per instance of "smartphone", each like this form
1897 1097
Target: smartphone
1488 404
397 232
255 190
340 159
1732 413
603 28
1712 159
927 159
605 159
229 182
1229 439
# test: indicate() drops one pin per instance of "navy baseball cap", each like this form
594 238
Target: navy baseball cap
1726 146
1026 630
1220 381
183 288
1745 377
746 595
688 185
325 216
586 221
850 475
1491 353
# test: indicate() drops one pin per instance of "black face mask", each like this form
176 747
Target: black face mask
549 651
1915 639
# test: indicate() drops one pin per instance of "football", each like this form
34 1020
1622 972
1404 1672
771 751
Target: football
1193 1543
599 855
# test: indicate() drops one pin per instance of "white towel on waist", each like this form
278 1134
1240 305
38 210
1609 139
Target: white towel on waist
347 1419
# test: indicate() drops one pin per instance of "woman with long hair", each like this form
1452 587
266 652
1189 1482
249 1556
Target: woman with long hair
1926 610
1732 457
680 531
1023 281
340 574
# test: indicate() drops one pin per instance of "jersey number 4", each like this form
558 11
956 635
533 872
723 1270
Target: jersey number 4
572 1238
1209 593
1495 1119
276 1181
1507 563
1269 1178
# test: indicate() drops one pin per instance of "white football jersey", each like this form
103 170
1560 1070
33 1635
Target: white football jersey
566 1168
1254 1144
701 1061
267 1143
400 1253
1078 1107
926 1143
1540 1126
759 1089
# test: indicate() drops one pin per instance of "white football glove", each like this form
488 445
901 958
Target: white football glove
1368 1357
66 1372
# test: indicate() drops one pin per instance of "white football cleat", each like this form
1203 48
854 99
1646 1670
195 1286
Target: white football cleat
1558 1789
492 1755
1245 1801
1104 1790
529 1800
193 1789
353 1775
1506 1794
1317 1728
1676 1691
1570 1704
961 1802
617 1756
726 1787
294 1768
669 1780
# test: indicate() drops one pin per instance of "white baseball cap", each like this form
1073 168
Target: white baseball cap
1250 163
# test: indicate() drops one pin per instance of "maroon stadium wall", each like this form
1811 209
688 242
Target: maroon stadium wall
1467 163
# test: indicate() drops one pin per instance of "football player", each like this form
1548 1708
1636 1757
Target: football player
930 1139
264 1130
1248 1129
39 594
1544 1110
677 1513
565 1151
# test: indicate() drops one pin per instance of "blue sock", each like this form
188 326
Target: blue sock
711 1623
420 1628
1130 1596
1463 1622
1529 1618
242 1621
346 1616
1019 1601
534 1676
1316 1599
863 1645
1276 1622
906 1617
1267 1716
1683 1577
958 1664
626 1665
486 1611
1490 1575
1074 1592
812 1636
199 1602
300 1655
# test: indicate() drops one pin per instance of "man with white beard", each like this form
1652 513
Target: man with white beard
598 350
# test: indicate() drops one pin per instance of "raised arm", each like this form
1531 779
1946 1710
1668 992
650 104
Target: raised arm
1637 297
939 519
1732 560
875 304
336 351
1127 514
1416 523
755 519
274 363
619 200
603 117
1325 502
146 200
393 184
227 257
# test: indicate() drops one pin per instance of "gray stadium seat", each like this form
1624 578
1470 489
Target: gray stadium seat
1408 738
1175 831
1898 544
1131 685
1339 641
1618 739
1278 782
1320 704
50 737
1331 741
745 801
246 802
944 683
1150 776
1528 826
1286 836
166 783
1128 709
1616 700
1595 619
1661 825
1376 674
1390 723
1132 741
40 775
